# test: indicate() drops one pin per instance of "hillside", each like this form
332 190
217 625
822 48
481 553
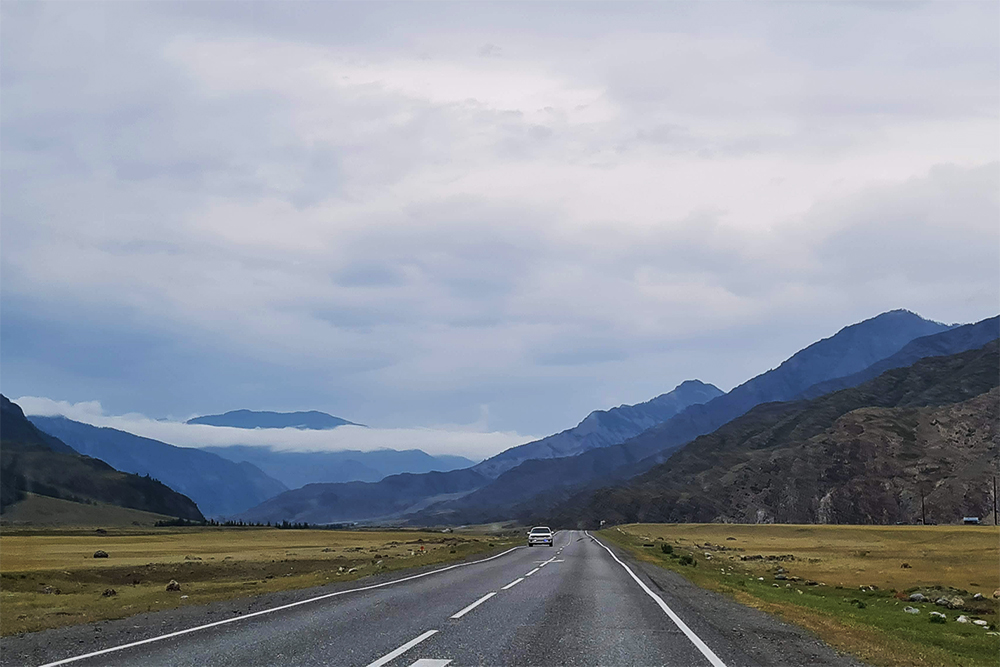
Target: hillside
860 455
311 420
219 486
603 428
356 501
542 483
30 462
296 469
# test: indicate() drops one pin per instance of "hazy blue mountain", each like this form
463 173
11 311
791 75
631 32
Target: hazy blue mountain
602 428
35 462
849 351
219 486
952 341
312 420
356 501
296 469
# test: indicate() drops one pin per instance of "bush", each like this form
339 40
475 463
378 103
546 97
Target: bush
667 549
686 560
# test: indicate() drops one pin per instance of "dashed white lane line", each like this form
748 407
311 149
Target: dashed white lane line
392 655
474 605
695 639
532 572
269 611
513 583
430 662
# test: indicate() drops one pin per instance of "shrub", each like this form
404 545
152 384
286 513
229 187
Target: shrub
667 549
686 560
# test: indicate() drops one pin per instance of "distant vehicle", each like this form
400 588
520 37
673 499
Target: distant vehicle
540 535
970 520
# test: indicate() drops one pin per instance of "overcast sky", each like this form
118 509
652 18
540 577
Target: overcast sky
474 217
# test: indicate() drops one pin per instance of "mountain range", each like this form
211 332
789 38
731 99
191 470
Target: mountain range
32 462
296 469
540 484
220 487
860 455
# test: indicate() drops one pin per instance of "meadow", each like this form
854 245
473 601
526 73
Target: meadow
50 578
848 584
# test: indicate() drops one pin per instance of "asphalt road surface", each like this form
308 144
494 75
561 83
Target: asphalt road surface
576 603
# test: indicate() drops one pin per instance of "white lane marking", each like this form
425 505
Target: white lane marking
532 572
695 639
392 655
474 605
268 611
429 662
513 583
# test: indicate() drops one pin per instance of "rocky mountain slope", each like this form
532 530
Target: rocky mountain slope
311 420
859 455
33 462
603 428
542 483
220 487
296 469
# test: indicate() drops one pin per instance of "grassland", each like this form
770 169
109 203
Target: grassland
848 584
49 577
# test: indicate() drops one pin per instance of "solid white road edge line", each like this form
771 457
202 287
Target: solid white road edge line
513 583
474 605
268 611
695 639
389 657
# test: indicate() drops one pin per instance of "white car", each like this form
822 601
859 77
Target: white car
540 535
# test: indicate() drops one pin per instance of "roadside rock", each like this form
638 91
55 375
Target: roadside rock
942 602
109 592
173 585
956 603
978 596
962 619
911 610
938 617
100 554
981 622
917 597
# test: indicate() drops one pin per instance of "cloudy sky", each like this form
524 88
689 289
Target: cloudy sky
475 218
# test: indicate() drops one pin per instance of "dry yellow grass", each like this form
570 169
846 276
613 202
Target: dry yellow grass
964 557
210 563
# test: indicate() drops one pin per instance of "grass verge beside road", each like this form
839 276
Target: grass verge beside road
848 584
50 578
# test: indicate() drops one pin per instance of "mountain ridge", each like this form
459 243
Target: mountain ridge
312 420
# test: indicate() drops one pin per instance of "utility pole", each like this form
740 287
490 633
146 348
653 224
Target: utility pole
994 500
923 511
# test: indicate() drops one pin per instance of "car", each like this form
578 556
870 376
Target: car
540 535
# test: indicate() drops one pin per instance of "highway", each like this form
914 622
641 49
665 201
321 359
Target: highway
576 603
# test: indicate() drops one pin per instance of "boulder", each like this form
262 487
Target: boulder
981 622
978 596
100 554
956 603
938 617
173 586
942 602
917 597
962 619
109 592
911 610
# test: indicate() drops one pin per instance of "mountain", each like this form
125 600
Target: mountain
296 469
32 462
221 487
542 483
860 455
602 428
312 420
328 503
952 341
356 501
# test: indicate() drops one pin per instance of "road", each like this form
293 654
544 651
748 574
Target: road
576 603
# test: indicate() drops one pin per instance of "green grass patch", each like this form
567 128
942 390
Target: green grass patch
867 621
